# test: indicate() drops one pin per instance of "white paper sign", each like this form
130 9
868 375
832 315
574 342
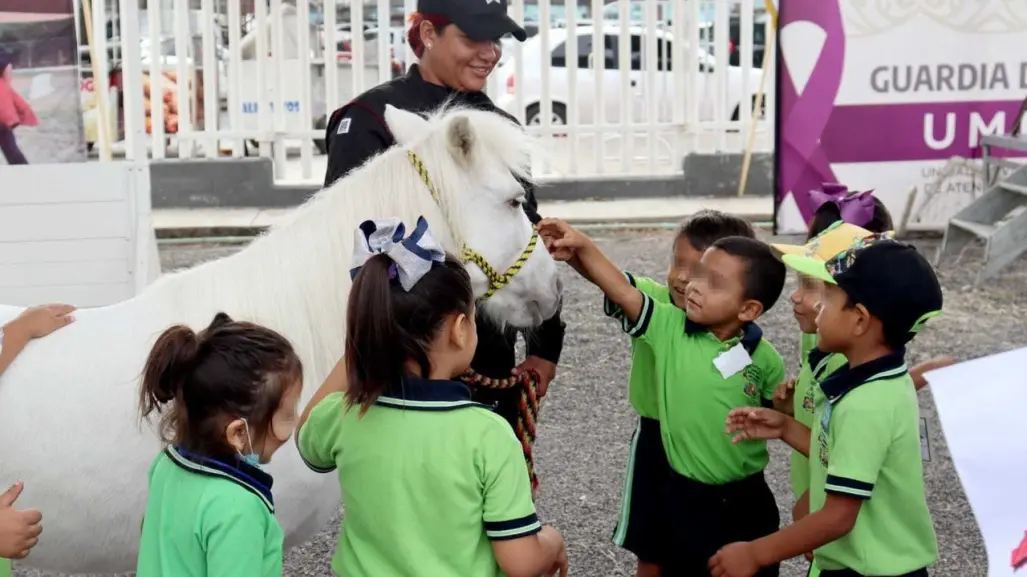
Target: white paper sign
982 412
732 361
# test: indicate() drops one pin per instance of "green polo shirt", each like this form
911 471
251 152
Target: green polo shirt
814 367
866 440
5 568
207 517
429 478
642 382
694 398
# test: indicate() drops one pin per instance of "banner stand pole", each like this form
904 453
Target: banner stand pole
757 108
101 99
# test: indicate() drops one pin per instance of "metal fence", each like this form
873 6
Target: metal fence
235 78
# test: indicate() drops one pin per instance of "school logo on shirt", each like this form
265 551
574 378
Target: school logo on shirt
825 421
753 377
807 399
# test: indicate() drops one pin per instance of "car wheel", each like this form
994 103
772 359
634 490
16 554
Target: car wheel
320 143
752 104
558 116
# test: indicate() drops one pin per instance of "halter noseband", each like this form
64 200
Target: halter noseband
496 279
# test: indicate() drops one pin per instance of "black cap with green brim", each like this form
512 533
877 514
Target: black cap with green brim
891 279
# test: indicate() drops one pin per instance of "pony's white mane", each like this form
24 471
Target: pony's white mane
308 255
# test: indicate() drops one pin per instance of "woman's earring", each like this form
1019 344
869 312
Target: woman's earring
428 46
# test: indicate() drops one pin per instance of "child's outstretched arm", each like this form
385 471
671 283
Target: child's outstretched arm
581 252
523 547
761 423
541 554
917 372
335 382
831 522
33 323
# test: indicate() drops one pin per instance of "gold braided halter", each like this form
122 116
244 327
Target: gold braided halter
496 279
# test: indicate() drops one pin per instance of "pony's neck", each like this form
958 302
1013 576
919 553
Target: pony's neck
296 278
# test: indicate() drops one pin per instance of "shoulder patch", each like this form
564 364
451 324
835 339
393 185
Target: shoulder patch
343 126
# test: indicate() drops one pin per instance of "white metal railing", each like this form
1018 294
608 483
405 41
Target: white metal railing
669 90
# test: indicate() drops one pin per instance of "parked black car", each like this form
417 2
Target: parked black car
759 38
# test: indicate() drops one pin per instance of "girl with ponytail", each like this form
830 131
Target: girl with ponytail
433 483
227 399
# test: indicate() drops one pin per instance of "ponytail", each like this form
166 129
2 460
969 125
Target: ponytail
388 328
200 382
168 367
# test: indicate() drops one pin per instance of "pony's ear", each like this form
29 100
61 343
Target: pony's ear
405 126
461 138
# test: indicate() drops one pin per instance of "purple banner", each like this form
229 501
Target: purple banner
814 133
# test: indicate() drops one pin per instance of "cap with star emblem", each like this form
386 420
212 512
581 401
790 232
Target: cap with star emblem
481 20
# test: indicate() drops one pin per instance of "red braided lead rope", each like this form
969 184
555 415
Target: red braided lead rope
527 411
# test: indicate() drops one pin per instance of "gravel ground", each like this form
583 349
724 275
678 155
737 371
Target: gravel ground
586 421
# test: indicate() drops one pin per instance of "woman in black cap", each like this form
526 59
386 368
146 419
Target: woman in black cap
457 46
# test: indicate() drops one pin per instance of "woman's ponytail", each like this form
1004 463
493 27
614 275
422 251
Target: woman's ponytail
374 350
168 367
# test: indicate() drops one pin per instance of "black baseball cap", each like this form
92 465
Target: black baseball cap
480 20
891 279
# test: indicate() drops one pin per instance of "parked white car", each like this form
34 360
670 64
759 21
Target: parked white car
530 84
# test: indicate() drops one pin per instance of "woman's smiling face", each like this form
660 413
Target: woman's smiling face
460 62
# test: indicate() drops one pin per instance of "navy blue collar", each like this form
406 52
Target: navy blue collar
243 474
815 357
428 395
847 378
751 333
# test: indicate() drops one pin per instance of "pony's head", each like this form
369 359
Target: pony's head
475 164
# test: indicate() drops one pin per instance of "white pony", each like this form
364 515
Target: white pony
69 424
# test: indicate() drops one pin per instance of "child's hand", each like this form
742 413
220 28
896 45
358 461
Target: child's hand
19 530
784 396
555 544
917 372
755 423
734 560
561 239
40 321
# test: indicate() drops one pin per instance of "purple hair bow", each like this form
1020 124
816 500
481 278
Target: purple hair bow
855 207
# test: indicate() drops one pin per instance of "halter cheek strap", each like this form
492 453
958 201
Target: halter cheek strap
496 279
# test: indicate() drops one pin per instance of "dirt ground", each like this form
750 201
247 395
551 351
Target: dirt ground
586 422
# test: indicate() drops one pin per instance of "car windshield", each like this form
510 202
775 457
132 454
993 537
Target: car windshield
557 12
636 11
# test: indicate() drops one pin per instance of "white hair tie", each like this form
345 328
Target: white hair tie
412 257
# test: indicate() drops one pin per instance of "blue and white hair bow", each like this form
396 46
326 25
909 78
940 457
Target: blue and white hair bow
412 257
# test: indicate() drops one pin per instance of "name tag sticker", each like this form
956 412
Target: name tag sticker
732 361
925 444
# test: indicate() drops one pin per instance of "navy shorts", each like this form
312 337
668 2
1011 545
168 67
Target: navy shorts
851 573
641 527
707 517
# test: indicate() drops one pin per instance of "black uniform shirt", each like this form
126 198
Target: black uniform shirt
357 131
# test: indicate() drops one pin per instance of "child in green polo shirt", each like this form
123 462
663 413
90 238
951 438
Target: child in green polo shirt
228 400
869 514
708 358
433 483
20 529
829 235
640 527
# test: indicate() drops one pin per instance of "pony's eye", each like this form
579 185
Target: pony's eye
517 202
